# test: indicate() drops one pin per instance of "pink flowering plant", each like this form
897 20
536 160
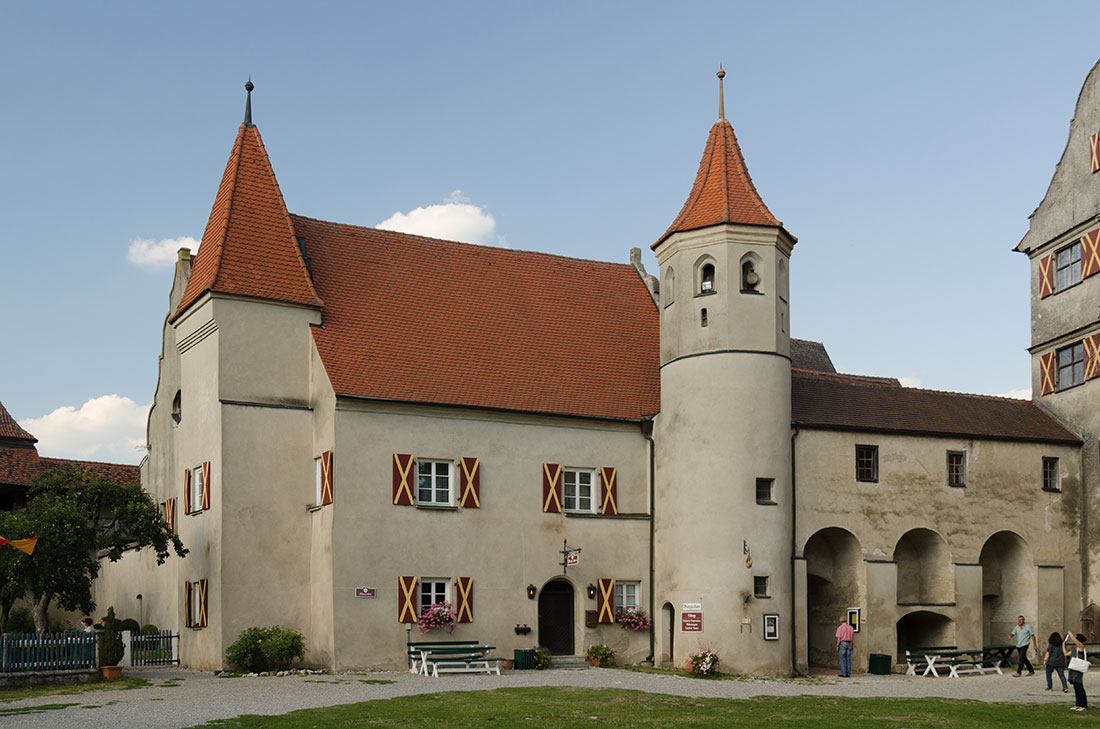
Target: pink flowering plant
703 663
633 618
600 655
435 616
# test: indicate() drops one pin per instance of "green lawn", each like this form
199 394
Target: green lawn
15 694
573 707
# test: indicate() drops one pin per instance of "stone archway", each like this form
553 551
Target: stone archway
1009 585
922 629
556 622
836 579
925 573
668 636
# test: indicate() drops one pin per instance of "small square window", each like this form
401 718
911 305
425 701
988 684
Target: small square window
626 595
433 590
1067 266
867 463
577 483
760 586
1051 475
196 489
433 483
956 468
1071 365
765 491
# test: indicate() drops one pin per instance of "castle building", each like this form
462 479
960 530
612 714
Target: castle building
351 424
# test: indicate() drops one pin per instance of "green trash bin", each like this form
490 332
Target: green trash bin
879 664
525 659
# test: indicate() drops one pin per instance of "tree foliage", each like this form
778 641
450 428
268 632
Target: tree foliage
78 517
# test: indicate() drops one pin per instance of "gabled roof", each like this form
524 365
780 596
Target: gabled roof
422 320
723 191
249 247
840 403
807 355
9 429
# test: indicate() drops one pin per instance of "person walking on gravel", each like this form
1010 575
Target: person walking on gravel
1024 636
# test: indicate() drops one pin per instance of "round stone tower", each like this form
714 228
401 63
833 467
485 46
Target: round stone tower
723 507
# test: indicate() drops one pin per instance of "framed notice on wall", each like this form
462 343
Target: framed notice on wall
771 626
854 618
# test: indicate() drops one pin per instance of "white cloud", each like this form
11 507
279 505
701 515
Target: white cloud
456 219
909 381
158 254
1024 393
109 428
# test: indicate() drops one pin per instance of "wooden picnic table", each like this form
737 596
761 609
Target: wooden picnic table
971 660
458 656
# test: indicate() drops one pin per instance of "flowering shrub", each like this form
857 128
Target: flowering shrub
542 658
435 616
633 618
600 655
703 663
266 649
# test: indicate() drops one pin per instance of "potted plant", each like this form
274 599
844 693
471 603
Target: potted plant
542 658
435 616
110 647
703 663
633 618
600 655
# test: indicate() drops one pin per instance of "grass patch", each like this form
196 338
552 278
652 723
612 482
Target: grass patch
31 692
801 680
33 709
574 707
376 681
321 680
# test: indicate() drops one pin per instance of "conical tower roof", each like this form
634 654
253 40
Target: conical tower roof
11 430
723 191
249 247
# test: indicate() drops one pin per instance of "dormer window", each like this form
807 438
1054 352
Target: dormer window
706 279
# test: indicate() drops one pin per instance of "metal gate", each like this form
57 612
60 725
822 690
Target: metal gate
155 649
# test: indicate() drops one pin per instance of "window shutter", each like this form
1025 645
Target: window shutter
1090 253
170 514
406 599
551 487
1094 152
1046 365
1046 276
464 587
205 485
202 603
609 503
469 482
402 481
326 478
1092 356
187 604
187 491
605 600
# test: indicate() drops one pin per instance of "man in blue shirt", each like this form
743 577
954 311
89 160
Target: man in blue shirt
1024 636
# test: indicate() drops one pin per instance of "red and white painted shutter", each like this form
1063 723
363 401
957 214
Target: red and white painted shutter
1094 152
170 514
406 599
464 599
609 503
551 487
202 603
402 481
187 617
205 485
469 479
1092 356
187 491
605 600
1090 253
326 478
1046 276
1046 367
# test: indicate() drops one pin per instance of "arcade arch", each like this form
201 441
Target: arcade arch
925 573
836 579
1009 585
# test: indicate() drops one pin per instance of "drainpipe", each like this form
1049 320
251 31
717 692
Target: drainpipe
647 433
794 552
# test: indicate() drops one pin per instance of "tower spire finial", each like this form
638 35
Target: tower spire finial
248 103
721 93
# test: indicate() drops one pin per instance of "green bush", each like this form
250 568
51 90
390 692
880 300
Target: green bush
131 625
542 657
110 641
149 629
266 649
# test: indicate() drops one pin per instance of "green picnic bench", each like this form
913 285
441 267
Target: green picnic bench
430 658
957 662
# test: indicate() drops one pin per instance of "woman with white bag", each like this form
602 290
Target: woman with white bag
1078 665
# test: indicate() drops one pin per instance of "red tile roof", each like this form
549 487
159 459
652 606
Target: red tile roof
11 429
417 319
19 466
723 191
839 404
249 247
807 355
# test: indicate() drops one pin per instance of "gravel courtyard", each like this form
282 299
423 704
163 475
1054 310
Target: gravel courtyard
193 697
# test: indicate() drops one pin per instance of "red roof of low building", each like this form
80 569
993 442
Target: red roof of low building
423 320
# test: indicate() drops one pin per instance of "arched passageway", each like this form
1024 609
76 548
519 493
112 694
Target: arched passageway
836 579
1009 585
925 573
922 629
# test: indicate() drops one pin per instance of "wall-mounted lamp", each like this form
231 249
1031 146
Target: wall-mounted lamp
591 591
531 592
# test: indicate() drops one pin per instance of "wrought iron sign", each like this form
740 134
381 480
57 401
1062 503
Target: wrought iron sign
570 556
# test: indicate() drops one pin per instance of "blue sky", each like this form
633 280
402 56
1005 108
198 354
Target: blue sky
904 144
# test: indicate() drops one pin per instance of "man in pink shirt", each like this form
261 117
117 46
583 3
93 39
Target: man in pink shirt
844 636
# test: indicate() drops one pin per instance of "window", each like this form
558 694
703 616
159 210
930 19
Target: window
706 279
703 318
956 468
195 607
626 595
318 477
177 407
1071 365
750 279
668 287
578 489
433 483
433 590
196 489
764 489
1067 266
760 586
866 463
1051 480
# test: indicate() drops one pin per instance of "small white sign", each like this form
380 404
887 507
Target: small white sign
692 607
573 559
365 592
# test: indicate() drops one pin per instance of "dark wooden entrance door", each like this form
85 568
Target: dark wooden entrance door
556 618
